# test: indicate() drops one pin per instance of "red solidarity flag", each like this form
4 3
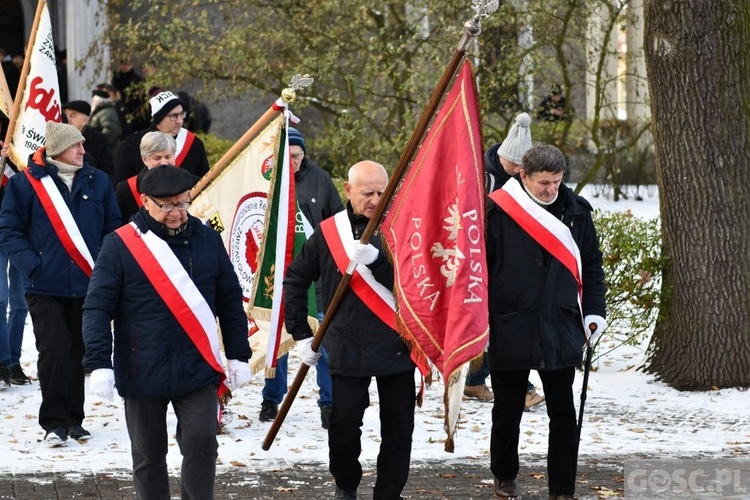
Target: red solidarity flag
435 232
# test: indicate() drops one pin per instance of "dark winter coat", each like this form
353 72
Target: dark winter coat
98 152
534 317
105 119
129 161
316 194
27 235
153 355
358 343
494 174
125 199
318 199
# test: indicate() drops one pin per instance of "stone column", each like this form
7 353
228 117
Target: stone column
599 41
84 22
638 107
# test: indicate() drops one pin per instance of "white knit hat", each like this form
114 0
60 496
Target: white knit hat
518 141
60 136
162 103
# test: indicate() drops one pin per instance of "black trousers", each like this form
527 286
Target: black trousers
351 398
510 394
197 425
57 323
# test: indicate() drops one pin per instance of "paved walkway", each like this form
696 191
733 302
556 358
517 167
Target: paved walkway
597 478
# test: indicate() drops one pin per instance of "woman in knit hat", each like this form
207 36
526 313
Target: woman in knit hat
503 161
504 158
53 219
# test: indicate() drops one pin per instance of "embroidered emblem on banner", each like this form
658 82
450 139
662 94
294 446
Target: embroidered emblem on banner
245 237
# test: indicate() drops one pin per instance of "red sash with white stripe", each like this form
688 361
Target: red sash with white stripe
62 221
337 230
184 140
179 293
132 183
542 226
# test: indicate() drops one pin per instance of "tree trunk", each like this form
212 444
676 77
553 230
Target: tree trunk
699 76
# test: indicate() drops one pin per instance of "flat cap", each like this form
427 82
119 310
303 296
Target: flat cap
165 181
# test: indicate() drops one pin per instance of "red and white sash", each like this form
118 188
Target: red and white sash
337 231
132 184
184 140
179 293
542 226
62 221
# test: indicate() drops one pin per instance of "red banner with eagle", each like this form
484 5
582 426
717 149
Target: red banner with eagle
435 232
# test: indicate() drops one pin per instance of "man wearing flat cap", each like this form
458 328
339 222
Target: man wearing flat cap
54 216
164 278
98 151
168 116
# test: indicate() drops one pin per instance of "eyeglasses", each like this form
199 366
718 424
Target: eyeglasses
168 207
174 116
297 156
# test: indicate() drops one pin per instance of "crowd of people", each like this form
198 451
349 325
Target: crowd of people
97 244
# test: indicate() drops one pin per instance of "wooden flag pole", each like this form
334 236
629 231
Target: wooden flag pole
22 81
471 30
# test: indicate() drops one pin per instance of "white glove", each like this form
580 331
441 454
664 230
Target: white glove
239 373
362 254
309 357
600 324
102 383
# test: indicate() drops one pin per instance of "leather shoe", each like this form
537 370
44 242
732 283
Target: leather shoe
268 411
344 495
506 489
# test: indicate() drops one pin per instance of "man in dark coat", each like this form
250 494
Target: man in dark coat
98 152
318 199
554 107
361 341
53 219
168 114
536 312
164 278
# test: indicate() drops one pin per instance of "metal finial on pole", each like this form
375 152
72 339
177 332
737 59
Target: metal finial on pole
288 95
298 82
473 27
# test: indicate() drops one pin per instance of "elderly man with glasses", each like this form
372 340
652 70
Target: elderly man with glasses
164 279
168 116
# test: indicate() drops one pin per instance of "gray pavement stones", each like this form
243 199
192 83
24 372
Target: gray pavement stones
598 478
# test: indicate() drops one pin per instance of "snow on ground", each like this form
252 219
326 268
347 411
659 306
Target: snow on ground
627 413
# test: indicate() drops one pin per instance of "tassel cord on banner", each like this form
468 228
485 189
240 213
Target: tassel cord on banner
471 31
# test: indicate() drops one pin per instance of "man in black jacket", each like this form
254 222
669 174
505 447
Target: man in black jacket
98 152
318 199
544 285
361 340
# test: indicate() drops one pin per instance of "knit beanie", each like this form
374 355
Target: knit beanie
518 141
61 136
162 103
296 139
